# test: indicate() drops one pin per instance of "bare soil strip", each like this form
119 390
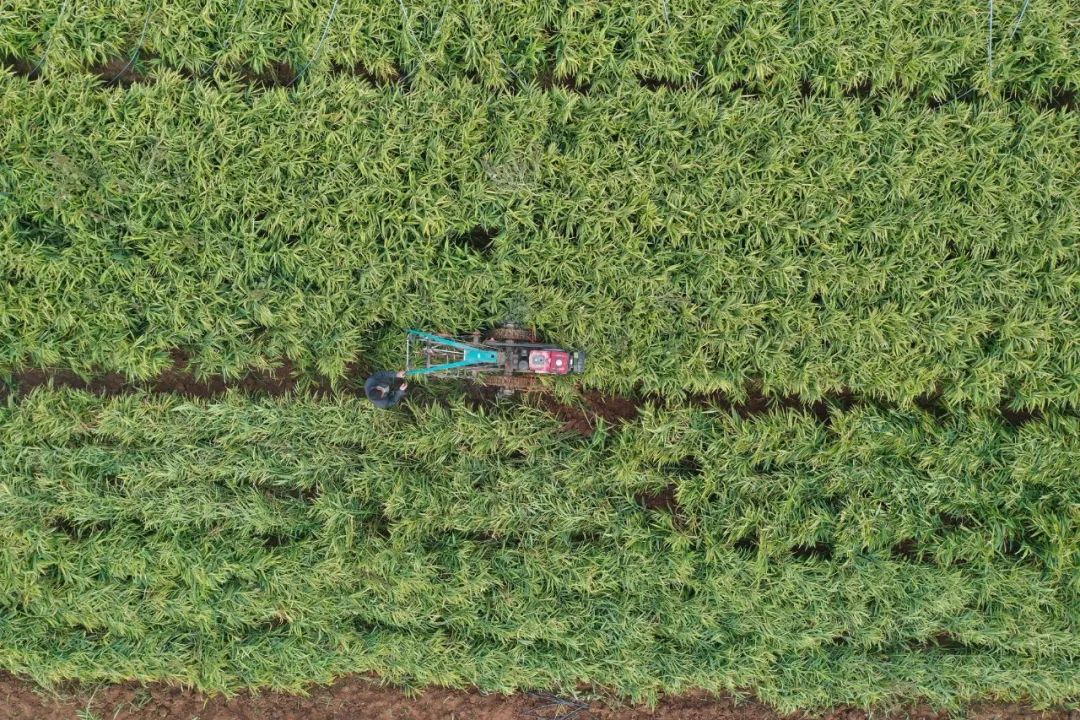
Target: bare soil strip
127 71
362 697
579 418
180 380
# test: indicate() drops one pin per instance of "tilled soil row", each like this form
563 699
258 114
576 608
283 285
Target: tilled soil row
581 417
125 71
180 380
360 696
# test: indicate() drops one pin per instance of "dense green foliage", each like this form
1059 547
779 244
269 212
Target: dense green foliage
238 543
930 47
689 243
811 196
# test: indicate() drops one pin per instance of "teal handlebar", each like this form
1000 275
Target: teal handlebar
470 355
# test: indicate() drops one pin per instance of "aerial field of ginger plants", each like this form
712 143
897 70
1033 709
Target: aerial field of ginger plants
823 257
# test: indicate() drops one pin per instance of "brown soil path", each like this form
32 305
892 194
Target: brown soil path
581 417
179 379
361 698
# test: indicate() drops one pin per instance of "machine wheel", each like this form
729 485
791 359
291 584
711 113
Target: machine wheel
579 362
512 333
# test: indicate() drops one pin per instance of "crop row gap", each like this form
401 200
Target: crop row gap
180 379
123 72
906 550
594 406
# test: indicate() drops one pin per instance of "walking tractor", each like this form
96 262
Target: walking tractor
508 357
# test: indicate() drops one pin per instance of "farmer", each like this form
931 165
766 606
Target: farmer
385 388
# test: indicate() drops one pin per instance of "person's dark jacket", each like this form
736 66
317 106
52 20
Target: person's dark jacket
391 382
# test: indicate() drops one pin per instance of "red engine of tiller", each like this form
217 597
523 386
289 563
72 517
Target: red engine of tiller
549 362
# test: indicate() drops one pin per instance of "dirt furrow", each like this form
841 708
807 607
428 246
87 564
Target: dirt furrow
362 697
581 417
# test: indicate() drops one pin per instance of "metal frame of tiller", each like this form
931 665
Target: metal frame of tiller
446 356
